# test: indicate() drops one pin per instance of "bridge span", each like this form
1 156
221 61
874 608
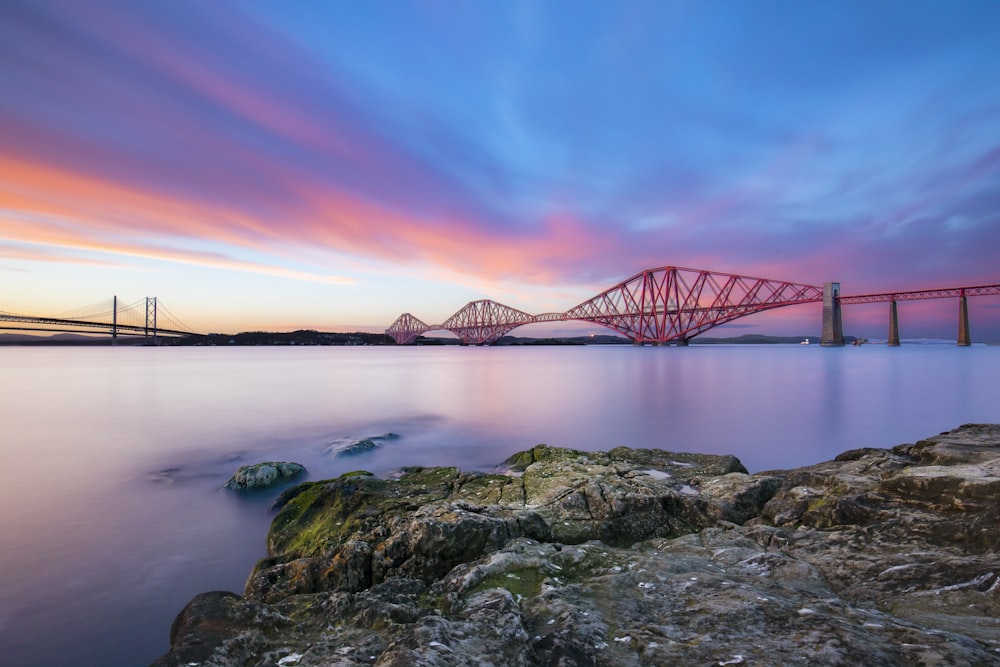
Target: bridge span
144 317
670 305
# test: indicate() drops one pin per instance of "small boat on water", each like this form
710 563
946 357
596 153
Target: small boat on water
805 342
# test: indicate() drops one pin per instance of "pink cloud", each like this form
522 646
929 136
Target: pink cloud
116 218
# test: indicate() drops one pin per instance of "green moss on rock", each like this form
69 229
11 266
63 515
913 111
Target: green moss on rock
544 453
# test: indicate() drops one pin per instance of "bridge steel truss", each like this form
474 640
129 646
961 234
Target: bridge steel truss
480 322
962 293
673 304
916 295
485 321
406 328
661 306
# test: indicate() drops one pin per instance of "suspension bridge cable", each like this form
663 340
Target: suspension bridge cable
180 326
101 308
133 314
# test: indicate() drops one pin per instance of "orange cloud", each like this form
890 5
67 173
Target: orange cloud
56 208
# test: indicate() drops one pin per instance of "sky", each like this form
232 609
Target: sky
330 164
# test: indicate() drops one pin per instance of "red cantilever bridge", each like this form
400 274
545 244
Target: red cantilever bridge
671 305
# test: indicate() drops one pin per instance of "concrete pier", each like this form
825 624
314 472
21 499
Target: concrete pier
963 322
833 326
893 339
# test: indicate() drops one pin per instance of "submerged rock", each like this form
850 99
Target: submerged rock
630 557
355 446
263 475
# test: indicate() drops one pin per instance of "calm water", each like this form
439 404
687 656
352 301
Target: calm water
112 459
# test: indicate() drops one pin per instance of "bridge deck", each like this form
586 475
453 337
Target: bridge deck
915 295
666 304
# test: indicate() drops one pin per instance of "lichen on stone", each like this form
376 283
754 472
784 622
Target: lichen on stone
880 557
263 475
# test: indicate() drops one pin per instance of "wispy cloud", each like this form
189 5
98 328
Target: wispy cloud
566 145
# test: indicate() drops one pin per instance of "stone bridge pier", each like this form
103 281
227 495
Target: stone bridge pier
833 323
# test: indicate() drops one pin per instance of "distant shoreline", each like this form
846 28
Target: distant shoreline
360 338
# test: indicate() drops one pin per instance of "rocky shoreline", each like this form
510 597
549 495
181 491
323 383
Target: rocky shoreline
629 557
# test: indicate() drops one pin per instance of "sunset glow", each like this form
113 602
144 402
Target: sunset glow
330 165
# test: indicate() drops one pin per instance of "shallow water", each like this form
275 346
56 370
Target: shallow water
112 459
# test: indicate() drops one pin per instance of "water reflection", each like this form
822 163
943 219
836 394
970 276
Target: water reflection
114 458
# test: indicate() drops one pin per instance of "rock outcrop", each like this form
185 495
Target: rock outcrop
355 446
263 475
630 557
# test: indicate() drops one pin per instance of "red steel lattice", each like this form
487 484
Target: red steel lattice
406 328
944 293
667 304
662 305
485 321
673 304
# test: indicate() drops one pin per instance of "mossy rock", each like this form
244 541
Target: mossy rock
264 475
685 463
319 516
544 453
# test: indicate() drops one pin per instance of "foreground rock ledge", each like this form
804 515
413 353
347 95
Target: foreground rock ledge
630 557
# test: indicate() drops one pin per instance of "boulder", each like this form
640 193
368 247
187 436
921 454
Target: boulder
629 557
355 446
263 475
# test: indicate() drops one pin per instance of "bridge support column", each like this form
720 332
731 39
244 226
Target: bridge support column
893 339
114 320
150 319
963 322
833 326
682 342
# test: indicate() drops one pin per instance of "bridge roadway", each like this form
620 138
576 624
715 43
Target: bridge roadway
143 313
670 305
77 325
661 306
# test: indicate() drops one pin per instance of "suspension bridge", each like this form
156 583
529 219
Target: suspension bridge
147 317
670 305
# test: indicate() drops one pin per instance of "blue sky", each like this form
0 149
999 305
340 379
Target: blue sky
332 164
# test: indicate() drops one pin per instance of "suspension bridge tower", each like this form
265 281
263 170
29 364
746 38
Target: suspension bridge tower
150 320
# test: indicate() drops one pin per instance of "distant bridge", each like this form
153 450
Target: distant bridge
671 305
144 317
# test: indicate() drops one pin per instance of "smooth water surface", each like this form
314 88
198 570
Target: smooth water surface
112 459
